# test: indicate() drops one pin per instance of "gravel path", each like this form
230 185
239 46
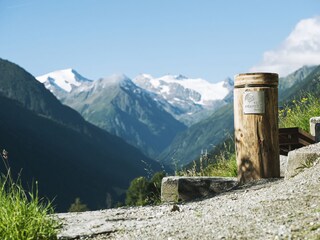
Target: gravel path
281 209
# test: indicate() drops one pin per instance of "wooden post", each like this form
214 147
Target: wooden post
256 126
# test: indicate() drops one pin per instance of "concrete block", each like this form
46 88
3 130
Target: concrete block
297 159
176 189
315 128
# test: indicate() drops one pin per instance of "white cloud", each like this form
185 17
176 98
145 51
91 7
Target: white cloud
301 47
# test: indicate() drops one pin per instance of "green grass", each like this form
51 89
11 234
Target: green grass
23 216
221 164
223 167
297 113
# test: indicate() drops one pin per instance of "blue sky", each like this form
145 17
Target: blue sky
211 39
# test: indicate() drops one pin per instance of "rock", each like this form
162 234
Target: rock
85 224
301 158
283 165
175 208
175 189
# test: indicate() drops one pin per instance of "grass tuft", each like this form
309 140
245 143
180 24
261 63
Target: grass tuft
223 167
221 164
23 216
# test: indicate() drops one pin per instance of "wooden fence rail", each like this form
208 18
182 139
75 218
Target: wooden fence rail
293 138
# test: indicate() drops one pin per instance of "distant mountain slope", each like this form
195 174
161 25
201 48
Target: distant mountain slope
54 145
310 84
17 84
117 105
293 79
204 135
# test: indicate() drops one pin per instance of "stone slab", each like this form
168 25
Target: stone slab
301 158
83 224
176 189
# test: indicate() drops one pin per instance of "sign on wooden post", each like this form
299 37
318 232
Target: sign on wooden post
256 125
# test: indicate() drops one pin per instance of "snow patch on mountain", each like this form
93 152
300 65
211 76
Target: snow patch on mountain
199 90
66 80
188 99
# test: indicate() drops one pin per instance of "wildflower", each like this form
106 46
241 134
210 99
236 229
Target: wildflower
5 154
281 111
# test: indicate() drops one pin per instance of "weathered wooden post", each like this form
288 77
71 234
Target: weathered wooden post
256 125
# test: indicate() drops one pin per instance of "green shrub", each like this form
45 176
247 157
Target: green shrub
143 192
137 192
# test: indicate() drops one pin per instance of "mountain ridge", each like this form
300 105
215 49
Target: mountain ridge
189 100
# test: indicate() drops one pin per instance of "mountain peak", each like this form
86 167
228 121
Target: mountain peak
114 79
65 79
181 77
228 83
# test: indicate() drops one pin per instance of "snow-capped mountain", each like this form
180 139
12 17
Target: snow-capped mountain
190 99
180 88
62 81
117 105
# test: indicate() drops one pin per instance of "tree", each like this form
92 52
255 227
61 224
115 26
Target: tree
142 192
78 206
137 193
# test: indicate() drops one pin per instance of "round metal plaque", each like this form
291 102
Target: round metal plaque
253 102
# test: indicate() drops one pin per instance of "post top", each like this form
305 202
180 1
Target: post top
256 79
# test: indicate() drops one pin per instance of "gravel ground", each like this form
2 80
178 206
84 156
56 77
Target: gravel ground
273 209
